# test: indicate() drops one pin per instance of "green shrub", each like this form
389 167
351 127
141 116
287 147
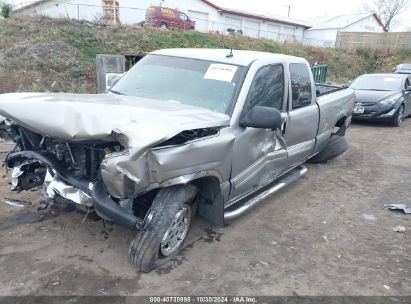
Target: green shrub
5 10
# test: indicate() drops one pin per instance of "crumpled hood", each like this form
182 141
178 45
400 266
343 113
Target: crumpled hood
78 117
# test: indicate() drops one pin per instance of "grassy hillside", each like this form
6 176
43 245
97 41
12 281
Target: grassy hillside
59 55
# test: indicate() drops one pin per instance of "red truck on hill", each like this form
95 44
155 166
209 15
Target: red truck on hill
164 17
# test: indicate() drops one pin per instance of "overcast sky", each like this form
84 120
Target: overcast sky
310 9
303 9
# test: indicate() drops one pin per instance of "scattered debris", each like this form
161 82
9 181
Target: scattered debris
264 263
17 203
387 287
56 283
103 292
369 216
399 229
402 207
325 238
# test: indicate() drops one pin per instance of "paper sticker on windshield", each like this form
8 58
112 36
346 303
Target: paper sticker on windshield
222 72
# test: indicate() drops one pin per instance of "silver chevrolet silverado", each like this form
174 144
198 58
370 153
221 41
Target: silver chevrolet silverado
185 131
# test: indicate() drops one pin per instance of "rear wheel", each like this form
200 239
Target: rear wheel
166 227
336 146
163 25
398 117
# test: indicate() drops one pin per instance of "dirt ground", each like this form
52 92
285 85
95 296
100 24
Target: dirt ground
326 234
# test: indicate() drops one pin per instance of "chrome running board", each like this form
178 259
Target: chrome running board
285 181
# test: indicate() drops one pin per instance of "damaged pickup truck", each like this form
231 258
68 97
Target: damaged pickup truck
185 131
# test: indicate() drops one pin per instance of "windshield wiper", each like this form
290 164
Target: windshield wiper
116 92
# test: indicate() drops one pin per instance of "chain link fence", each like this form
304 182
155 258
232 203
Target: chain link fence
115 14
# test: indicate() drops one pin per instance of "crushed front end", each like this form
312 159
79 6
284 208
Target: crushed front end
65 171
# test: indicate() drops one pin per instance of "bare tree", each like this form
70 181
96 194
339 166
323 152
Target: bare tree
388 10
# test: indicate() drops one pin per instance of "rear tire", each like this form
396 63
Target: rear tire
163 25
165 229
336 146
398 117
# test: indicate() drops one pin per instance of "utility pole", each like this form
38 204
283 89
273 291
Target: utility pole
289 10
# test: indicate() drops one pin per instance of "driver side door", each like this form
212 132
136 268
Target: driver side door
259 155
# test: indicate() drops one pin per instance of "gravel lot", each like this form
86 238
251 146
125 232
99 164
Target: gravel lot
310 239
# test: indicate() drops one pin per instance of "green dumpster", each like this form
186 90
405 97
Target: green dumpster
319 72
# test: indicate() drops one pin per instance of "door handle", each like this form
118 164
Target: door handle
283 127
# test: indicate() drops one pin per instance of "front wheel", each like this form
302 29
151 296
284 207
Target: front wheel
166 227
398 117
163 25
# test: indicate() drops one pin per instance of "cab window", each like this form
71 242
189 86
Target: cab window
183 17
301 94
267 88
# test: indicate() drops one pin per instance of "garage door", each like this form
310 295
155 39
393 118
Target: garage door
272 31
233 23
252 28
201 20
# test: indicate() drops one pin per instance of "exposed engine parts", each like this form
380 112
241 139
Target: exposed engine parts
189 135
27 175
80 159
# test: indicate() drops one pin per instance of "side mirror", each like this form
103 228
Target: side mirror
112 79
408 89
262 118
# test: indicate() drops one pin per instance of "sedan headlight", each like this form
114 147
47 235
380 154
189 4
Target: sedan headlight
388 102
391 100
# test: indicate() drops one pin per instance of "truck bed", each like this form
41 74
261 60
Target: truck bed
334 104
324 89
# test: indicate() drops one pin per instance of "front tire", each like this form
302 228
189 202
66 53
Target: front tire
398 117
166 227
163 26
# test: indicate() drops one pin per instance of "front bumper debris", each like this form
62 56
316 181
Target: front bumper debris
101 201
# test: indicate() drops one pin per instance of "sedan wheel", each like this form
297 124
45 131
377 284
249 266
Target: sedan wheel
399 117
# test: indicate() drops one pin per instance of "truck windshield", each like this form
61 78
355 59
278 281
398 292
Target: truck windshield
201 83
377 83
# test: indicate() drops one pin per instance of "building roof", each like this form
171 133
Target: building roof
276 19
240 57
340 22
28 4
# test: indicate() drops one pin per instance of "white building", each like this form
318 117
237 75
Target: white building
324 32
208 16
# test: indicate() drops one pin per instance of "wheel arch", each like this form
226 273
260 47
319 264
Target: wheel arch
341 121
210 197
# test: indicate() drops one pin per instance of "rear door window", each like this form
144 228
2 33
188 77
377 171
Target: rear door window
301 94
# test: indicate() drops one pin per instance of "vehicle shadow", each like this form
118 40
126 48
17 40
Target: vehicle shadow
376 124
